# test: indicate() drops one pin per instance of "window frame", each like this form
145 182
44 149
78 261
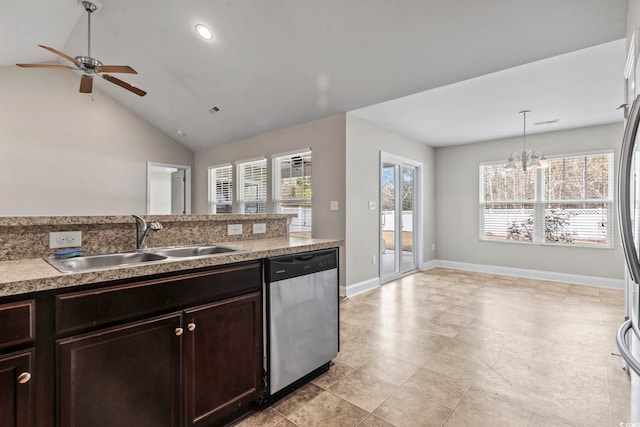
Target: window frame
276 187
240 187
213 203
540 203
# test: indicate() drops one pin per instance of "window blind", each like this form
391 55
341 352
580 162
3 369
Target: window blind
570 202
252 186
292 189
221 189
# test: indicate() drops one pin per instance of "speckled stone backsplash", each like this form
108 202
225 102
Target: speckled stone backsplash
28 237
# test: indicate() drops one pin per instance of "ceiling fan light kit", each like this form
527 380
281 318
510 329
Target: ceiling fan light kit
89 65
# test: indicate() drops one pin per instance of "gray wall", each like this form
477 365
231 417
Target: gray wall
633 18
66 153
457 186
326 137
365 140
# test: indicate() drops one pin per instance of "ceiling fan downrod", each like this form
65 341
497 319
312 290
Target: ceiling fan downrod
88 64
90 8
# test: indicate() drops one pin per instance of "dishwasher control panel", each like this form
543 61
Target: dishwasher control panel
288 266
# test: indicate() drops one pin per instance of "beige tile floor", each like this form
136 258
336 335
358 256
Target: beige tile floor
454 348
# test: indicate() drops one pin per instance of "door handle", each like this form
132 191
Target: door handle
624 188
624 349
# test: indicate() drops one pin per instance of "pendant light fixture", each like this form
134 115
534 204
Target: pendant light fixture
528 159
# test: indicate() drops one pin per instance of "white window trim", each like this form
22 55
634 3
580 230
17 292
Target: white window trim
211 199
239 179
275 184
539 204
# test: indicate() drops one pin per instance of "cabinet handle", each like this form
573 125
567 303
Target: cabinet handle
24 377
191 326
179 331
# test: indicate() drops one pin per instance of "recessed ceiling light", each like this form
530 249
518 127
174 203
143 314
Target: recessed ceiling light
204 32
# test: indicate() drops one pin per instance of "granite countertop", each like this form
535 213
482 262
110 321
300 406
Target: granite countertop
35 274
20 221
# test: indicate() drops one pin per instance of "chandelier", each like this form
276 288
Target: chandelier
528 159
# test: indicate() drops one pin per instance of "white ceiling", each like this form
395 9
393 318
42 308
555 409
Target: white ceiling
579 89
278 63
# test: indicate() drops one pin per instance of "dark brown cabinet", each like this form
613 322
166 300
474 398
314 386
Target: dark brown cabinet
122 376
177 351
17 331
16 389
223 354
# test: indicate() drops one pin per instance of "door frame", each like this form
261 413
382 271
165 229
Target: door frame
187 184
418 240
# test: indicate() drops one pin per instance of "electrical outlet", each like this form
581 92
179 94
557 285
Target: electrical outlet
65 239
334 205
259 228
234 229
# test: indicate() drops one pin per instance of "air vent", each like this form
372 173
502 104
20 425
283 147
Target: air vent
214 110
547 122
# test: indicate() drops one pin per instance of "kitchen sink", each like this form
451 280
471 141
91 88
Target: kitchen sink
103 261
92 262
192 251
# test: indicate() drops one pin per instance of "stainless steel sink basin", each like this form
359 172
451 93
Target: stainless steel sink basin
97 262
192 251
92 262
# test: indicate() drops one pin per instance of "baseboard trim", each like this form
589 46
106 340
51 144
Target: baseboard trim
358 288
601 282
428 265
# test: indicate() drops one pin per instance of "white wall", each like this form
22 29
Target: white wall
365 141
457 216
66 153
160 192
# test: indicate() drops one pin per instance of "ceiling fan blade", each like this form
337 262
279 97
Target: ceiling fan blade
66 67
124 85
115 69
57 52
86 83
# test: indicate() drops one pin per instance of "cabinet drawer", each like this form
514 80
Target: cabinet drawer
98 307
17 323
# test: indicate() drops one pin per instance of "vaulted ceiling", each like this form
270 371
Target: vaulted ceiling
276 63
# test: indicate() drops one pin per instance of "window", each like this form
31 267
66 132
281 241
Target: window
252 186
221 189
292 189
568 203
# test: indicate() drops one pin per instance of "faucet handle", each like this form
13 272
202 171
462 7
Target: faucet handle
155 226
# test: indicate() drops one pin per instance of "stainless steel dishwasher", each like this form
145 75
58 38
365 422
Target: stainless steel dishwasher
301 302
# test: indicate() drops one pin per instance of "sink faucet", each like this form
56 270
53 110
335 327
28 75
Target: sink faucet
143 231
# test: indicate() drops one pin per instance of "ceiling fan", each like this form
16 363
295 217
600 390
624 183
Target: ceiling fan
90 65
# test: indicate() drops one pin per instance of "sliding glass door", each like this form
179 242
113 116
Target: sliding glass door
398 217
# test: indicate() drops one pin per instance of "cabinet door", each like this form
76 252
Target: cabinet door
121 376
16 389
223 359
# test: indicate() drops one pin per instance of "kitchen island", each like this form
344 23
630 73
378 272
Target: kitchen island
177 342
